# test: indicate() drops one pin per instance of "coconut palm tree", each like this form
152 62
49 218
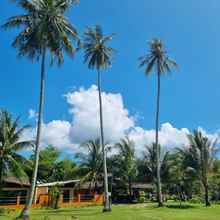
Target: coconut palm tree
201 154
127 162
158 60
44 29
98 56
11 162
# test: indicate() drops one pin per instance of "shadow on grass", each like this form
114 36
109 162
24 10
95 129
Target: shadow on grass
178 206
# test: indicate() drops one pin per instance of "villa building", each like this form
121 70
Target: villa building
14 193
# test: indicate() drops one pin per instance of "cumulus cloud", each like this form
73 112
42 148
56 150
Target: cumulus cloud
169 137
118 123
84 108
54 133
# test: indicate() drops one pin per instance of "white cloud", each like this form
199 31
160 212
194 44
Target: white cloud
85 111
118 123
169 136
54 133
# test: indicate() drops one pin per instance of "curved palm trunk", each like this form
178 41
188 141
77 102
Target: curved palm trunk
26 211
106 202
159 191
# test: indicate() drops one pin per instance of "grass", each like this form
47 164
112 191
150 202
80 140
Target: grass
125 212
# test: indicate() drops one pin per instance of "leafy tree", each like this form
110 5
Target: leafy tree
214 181
182 178
150 161
44 28
203 153
142 174
158 60
65 169
128 166
92 162
11 162
48 159
150 158
98 56
54 195
52 168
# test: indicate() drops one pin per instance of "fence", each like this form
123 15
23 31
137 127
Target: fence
43 200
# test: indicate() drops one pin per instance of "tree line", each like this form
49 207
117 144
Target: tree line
188 173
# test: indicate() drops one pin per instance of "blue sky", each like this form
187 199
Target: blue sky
191 32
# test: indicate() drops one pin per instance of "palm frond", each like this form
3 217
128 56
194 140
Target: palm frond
44 26
97 54
157 59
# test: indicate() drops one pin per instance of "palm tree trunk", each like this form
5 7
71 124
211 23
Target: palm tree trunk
26 211
130 188
106 193
159 191
1 169
206 188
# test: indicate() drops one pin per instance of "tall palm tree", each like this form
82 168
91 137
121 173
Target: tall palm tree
202 153
44 29
98 56
127 162
11 162
158 60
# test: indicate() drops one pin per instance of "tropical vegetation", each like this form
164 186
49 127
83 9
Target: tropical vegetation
183 178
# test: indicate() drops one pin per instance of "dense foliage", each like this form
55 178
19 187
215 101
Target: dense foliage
190 173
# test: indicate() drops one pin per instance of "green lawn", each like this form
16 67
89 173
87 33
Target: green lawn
126 212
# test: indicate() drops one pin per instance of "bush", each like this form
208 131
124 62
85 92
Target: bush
142 196
54 195
195 200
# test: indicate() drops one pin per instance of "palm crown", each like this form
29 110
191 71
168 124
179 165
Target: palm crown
202 150
10 145
44 27
157 58
97 54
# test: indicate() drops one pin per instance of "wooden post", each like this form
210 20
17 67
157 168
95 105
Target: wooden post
79 198
18 200
71 200
94 197
61 199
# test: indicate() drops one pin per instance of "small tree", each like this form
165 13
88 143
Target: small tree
10 144
54 196
92 162
201 153
150 157
128 167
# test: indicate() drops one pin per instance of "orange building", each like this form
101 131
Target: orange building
72 193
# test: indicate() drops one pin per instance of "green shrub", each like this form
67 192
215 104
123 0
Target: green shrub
142 196
54 195
195 200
